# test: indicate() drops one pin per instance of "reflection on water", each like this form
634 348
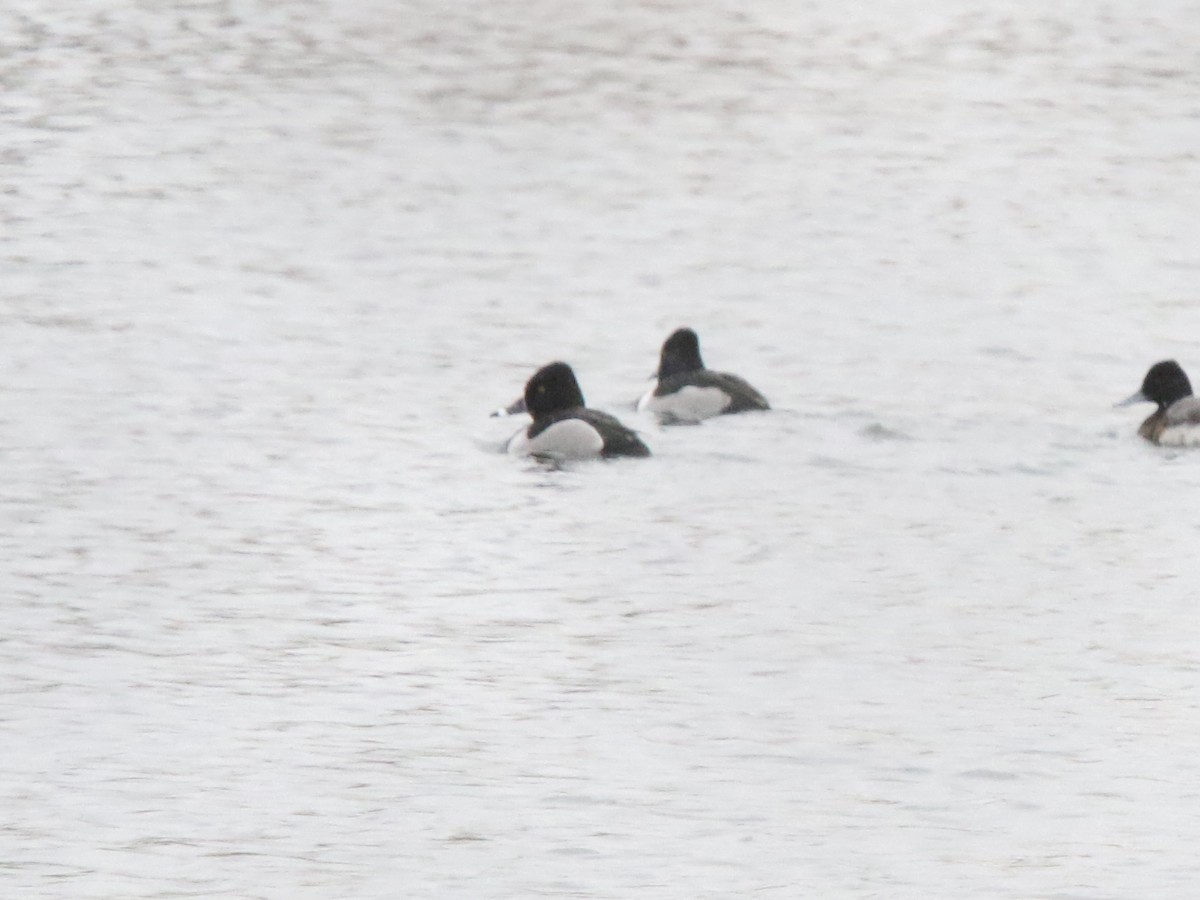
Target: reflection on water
277 623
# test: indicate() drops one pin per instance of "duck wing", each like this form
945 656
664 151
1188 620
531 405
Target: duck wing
619 440
743 397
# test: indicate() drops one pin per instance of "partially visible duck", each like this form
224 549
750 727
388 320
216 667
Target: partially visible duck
1176 422
563 427
687 392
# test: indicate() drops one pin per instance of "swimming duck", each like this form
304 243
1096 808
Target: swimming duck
1176 422
687 392
563 428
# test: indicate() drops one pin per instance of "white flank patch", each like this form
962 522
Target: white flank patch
1180 436
568 439
688 404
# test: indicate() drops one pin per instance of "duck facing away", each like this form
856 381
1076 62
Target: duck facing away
563 428
1176 422
687 392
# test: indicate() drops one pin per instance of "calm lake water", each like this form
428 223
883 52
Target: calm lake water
279 620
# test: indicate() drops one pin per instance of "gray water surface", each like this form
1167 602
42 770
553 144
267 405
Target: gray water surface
280 621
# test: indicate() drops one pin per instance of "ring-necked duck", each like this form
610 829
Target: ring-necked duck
1176 422
688 392
563 428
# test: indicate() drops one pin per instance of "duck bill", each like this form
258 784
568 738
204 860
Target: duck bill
516 408
1139 397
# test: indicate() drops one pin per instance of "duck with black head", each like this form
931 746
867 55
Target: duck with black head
563 428
1176 421
687 392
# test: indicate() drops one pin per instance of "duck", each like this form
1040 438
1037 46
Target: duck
687 392
563 428
1176 422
